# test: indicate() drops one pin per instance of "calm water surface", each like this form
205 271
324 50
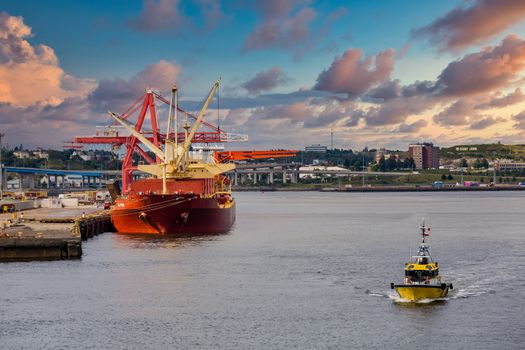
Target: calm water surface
298 270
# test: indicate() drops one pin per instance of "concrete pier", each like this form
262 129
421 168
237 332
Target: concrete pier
50 234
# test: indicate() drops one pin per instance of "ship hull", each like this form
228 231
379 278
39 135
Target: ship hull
174 215
421 291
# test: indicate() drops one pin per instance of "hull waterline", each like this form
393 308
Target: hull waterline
174 216
419 292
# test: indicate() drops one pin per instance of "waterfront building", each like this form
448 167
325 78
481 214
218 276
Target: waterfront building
382 153
425 155
509 166
22 154
316 148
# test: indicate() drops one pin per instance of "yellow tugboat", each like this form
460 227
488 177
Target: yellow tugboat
422 279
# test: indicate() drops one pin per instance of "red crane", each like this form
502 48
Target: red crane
110 135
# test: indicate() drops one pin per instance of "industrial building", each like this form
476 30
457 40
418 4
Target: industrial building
316 148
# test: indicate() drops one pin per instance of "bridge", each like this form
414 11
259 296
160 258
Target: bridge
90 178
254 172
291 172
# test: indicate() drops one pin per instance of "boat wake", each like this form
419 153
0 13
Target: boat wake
470 291
474 290
391 295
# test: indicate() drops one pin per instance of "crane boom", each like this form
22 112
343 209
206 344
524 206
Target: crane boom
158 152
187 142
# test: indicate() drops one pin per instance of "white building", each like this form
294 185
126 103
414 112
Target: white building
320 168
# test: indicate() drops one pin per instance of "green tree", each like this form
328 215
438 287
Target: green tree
463 163
390 164
443 177
450 177
382 164
409 163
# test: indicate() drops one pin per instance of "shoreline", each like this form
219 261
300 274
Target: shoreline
380 189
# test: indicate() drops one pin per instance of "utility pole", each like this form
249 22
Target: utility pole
1 170
363 170
331 139
494 168
494 177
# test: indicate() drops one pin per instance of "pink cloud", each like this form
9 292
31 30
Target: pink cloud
499 101
118 94
465 26
31 74
458 113
353 75
286 25
281 32
167 15
491 68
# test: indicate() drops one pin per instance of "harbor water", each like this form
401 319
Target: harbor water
301 270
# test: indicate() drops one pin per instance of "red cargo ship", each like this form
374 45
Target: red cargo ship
184 195
184 210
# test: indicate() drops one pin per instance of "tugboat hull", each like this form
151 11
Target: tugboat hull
421 291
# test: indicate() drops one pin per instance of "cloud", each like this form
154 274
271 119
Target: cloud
212 12
520 120
387 90
118 94
397 110
278 29
468 110
353 75
158 15
465 26
47 125
458 113
329 112
167 16
31 74
295 112
413 127
485 123
491 68
499 102
373 101
266 80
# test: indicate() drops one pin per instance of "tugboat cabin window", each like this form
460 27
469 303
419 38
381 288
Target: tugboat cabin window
417 275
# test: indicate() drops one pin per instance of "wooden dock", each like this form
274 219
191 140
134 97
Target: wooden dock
50 234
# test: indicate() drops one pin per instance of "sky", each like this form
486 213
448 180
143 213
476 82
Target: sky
376 73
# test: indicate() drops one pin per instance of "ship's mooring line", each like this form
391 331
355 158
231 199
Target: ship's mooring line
151 207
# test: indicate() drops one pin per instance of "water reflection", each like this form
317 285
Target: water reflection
149 241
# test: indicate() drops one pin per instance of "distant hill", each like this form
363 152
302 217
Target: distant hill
488 151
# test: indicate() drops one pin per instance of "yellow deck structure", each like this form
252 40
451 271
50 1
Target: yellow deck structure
422 279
